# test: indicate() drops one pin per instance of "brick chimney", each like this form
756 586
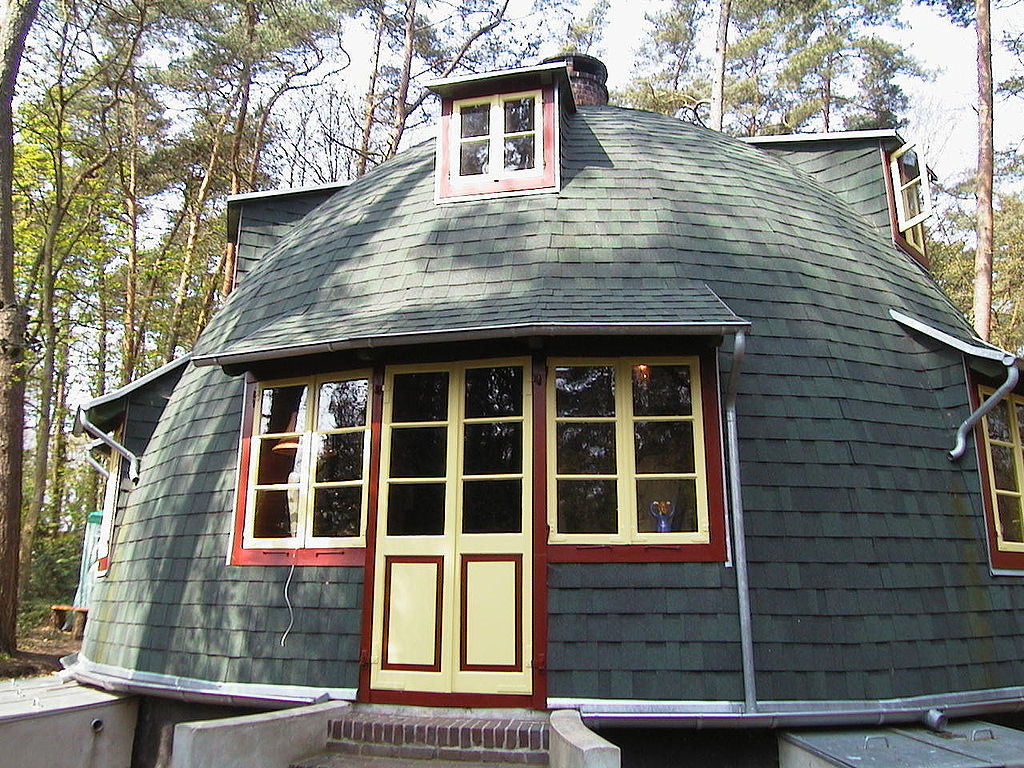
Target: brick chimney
587 76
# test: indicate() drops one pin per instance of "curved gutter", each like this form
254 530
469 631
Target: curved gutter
988 352
92 429
739 537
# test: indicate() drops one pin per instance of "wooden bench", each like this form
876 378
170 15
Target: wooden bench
59 615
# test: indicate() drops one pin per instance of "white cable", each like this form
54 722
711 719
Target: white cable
291 613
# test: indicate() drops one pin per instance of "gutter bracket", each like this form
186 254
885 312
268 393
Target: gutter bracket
92 429
988 352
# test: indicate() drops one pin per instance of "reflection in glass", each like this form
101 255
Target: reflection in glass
339 457
494 392
342 404
519 153
416 509
473 156
585 391
283 409
519 115
585 448
1010 519
418 452
271 519
661 390
998 420
279 462
681 494
493 449
663 446
587 506
1005 468
420 397
337 511
492 506
476 120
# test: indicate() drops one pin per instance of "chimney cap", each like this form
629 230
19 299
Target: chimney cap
582 63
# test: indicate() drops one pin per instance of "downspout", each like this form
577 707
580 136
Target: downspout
974 350
92 429
104 472
739 538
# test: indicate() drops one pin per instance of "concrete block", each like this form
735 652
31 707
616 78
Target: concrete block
266 740
573 745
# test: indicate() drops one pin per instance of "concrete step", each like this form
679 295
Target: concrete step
369 736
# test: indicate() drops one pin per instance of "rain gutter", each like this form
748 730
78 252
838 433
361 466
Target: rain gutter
514 330
619 713
92 429
191 689
987 352
739 537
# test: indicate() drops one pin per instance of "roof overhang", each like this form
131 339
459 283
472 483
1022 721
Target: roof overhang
108 407
507 79
802 138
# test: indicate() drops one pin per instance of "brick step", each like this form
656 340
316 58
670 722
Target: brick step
441 736
341 760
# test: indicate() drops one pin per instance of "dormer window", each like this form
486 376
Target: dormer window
499 133
911 196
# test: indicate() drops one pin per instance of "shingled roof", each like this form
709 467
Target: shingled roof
868 570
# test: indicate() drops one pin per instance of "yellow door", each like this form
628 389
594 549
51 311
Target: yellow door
451 597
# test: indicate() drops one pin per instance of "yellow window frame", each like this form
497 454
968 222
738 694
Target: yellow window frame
626 475
1016 447
306 435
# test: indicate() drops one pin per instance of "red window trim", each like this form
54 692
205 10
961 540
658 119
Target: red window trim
998 558
545 181
714 551
241 555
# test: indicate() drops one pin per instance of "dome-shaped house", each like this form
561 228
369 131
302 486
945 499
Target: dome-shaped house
583 407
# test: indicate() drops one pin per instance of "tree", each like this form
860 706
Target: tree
17 18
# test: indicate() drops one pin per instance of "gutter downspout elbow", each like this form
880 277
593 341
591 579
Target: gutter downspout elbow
1012 377
739 538
92 429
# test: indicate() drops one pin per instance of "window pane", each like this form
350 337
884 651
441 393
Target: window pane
280 461
473 158
519 115
272 519
587 506
339 457
420 397
476 120
416 509
519 153
586 449
661 390
1020 421
342 404
1009 518
1005 469
663 446
418 452
492 506
494 392
998 420
283 409
337 511
585 391
493 449
666 505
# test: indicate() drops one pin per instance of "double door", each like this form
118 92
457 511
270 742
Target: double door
452 587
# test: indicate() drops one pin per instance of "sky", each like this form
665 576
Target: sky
942 118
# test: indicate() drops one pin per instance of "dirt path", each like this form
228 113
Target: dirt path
39 653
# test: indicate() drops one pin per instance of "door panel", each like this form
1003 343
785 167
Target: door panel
454 540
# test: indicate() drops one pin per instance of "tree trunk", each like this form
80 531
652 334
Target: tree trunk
371 95
983 185
402 92
718 86
17 17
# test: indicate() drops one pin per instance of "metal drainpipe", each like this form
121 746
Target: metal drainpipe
92 462
92 429
1012 377
739 538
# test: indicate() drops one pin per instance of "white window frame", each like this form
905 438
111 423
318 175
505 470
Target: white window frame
496 171
306 434
904 221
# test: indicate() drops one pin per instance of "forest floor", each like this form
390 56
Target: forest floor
40 650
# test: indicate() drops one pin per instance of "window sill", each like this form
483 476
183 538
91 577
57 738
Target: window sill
636 553
348 556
